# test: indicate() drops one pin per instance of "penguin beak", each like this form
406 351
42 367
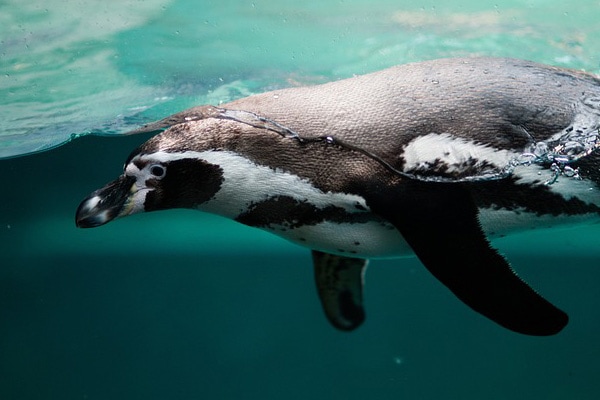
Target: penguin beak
105 204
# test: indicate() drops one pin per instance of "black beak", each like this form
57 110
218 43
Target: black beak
104 204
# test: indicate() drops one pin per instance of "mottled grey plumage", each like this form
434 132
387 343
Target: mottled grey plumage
431 157
503 103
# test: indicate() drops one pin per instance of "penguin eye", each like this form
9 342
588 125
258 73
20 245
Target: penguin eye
158 171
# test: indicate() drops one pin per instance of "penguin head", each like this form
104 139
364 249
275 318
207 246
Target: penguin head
152 181
224 167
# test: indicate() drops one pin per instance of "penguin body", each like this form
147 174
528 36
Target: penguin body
430 159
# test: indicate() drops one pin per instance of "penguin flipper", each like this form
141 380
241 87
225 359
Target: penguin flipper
339 284
439 221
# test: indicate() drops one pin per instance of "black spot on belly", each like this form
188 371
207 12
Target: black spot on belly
292 213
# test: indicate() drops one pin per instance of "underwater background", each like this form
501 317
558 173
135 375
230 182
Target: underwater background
184 305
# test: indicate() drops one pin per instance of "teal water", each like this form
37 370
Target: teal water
180 305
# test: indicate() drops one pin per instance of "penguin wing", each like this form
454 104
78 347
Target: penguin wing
439 221
339 284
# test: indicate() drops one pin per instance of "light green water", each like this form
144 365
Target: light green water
71 68
181 305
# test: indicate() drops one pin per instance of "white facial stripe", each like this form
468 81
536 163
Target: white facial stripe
131 169
246 183
136 201
138 191
452 151
142 175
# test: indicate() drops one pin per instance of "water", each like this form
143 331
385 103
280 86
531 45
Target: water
184 305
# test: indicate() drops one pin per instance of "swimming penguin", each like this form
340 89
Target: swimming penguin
431 159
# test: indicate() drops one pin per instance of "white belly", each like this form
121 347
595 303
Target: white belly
374 239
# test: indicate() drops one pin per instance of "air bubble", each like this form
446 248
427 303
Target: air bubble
571 172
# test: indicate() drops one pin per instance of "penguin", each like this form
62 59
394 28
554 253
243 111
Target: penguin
431 159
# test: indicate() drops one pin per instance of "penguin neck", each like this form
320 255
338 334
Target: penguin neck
247 183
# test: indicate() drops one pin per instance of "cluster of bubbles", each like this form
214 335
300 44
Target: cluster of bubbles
560 154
